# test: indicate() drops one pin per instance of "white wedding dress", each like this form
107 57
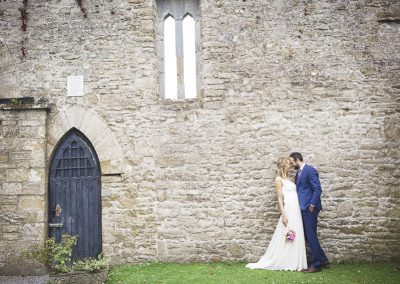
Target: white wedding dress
282 254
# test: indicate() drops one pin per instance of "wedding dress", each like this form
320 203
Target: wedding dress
282 254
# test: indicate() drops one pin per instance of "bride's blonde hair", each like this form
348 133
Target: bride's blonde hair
283 171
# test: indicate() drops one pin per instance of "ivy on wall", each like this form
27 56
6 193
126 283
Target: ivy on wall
80 4
24 21
24 25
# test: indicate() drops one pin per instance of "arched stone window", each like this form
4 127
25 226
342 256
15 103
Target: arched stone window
170 72
178 31
189 55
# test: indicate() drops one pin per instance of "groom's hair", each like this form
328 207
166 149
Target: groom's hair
296 156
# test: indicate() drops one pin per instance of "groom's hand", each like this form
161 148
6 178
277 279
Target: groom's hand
311 208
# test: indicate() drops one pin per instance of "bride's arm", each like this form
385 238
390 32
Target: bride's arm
278 188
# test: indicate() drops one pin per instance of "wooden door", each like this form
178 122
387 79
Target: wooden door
75 194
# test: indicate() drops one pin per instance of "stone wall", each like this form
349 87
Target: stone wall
196 179
23 187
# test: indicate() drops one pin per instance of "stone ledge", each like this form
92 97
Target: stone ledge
14 268
389 19
389 16
24 103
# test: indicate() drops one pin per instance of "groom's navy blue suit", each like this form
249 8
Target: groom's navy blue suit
309 193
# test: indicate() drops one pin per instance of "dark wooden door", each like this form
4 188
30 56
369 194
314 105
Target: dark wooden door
75 194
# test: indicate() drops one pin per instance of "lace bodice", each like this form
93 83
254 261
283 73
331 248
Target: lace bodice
289 191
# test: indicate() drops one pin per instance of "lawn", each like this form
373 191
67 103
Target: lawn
381 273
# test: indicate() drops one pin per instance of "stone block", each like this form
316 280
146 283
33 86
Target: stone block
32 232
24 268
4 157
345 208
8 207
21 155
37 175
31 202
11 228
17 175
38 132
14 188
8 200
14 236
37 158
32 215
34 188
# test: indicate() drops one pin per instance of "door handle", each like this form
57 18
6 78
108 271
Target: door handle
56 225
57 210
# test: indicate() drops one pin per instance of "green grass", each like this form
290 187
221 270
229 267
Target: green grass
231 273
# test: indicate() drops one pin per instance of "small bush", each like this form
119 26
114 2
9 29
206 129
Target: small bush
91 264
57 256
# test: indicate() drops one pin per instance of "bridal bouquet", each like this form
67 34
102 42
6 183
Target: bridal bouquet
290 236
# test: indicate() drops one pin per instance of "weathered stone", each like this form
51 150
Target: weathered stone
80 277
17 175
3 157
20 155
30 188
31 202
32 232
8 199
344 209
22 209
11 188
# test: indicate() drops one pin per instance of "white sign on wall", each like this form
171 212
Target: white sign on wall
75 86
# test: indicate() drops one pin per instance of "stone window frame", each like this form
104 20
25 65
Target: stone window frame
178 9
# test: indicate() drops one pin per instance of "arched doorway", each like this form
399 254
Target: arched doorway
75 194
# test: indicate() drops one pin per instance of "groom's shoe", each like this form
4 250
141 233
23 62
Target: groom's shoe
311 270
326 264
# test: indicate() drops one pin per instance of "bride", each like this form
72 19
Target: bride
283 253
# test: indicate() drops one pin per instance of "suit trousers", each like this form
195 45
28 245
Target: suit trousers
310 221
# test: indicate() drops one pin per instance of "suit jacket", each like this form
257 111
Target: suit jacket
309 188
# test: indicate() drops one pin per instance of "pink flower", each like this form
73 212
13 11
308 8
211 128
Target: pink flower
290 236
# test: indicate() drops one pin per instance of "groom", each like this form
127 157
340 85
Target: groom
309 192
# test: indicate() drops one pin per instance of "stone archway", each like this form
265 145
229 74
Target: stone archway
109 151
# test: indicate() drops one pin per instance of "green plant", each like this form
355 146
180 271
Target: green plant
15 101
91 264
24 24
57 256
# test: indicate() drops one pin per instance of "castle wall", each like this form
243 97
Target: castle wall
193 180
